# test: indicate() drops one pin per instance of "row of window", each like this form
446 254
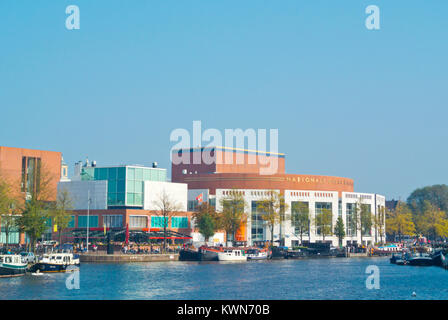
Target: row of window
116 221
299 194
356 196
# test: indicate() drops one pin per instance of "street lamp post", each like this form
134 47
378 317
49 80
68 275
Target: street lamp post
88 218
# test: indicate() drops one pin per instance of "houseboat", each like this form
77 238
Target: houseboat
12 265
419 259
204 253
232 255
55 262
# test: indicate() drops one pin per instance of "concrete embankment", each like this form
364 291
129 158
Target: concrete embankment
103 257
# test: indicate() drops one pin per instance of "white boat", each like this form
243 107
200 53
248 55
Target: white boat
12 265
55 262
257 254
232 255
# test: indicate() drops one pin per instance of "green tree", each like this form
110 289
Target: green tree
167 207
324 220
399 222
379 221
339 230
433 222
207 220
435 194
353 221
206 225
60 212
33 220
300 219
35 213
366 220
233 216
274 210
10 208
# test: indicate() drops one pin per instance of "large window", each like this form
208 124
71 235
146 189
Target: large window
320 208
13 236
82 221
113 221
179 222
159 222
351 223
138 221
71 223
300 217
366 209
257 223
30 174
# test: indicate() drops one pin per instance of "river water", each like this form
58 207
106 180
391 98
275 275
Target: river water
323 278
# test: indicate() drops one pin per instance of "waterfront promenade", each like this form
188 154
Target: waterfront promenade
102 256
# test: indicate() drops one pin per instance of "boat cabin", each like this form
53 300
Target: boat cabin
10 259
58 258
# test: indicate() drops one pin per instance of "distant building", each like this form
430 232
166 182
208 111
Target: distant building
126 195
23 168
214 179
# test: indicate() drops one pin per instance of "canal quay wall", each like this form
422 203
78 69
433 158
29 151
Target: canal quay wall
103 257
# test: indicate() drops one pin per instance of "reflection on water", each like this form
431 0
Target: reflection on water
336 278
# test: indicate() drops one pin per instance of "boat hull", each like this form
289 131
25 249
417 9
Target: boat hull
437 260
12 271
207 255
49 267
224 257
259 257
202 255
425 262
187 255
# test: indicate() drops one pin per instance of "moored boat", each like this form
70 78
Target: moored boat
204 253
295 254
12 265
189 255
257 254
397 258
55 262
232 255
209 253
437 258
420 259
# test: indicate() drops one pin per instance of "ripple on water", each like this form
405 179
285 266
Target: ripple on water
338 278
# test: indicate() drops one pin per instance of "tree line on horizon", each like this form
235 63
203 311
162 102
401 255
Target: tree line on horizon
424 213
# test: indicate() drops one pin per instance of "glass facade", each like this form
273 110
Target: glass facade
13 236
113 221
179 222
124 184
257 223
298 207
159 222
349 216
368 209
30 175
318 210
71 223
93 222
138 221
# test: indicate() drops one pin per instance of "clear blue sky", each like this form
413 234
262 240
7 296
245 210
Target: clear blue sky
369 105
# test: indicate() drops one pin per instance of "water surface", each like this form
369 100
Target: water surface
324 278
